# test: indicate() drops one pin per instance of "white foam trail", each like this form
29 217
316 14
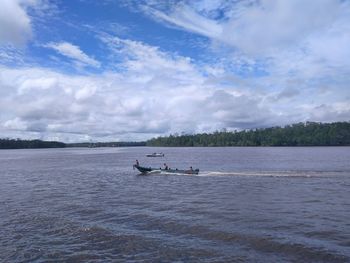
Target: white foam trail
154 172
249 173
267 174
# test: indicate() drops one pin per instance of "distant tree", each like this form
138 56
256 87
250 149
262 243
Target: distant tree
106 144
299 134
24 144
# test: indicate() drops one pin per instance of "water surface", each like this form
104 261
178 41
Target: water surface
246 205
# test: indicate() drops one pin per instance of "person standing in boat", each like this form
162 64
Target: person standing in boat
137 163
166 166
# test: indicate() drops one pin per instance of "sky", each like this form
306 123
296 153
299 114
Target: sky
131 70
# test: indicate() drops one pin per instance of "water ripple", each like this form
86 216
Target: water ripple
256 205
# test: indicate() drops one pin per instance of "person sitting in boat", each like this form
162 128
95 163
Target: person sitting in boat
166 166
137 163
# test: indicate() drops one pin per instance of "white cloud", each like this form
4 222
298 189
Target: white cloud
17 19
291 36
186 18
255 27
296 45
85 93
15 124
301 46
157 93
37 83
15 24
73 52
260 29
10 53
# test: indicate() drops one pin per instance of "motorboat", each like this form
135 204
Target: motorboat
147 170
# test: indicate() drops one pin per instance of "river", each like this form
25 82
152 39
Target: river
248 204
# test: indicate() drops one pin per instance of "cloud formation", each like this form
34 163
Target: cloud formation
255 27
290 35
73 52
270 63
15 24
157 93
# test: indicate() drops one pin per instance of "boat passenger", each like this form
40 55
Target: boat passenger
137 163
166 166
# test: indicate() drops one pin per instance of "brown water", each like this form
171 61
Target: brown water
246 205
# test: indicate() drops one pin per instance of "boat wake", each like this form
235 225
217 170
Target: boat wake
266 173
300 174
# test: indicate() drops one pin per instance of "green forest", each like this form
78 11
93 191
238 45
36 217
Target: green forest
106 144
300 134
24 144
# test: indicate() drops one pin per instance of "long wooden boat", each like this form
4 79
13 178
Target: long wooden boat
146 170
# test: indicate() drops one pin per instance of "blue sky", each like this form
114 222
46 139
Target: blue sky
106 70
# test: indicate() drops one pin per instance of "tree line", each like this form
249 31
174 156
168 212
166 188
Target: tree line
29 144
299 134
106 144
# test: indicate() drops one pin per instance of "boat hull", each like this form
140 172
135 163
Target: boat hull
145 170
